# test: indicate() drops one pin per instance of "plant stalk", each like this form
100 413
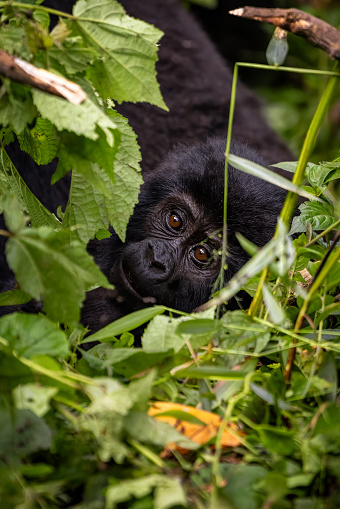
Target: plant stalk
308 145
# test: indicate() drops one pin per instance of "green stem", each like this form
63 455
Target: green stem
145 451
288 69
33 7
332 259
330 262
227 152
308 145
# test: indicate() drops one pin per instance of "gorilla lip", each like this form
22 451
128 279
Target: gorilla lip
129 282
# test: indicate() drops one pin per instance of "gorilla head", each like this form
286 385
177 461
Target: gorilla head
172 252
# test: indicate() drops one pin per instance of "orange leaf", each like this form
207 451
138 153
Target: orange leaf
199 433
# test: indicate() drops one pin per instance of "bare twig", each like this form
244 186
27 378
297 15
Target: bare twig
298 22
18 70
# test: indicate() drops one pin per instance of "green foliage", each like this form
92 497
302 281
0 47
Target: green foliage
74 425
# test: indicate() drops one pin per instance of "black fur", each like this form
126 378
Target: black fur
156 261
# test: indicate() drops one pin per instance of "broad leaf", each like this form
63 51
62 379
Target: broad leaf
160 335
82 119
14 298
51 269
89 209
87 157
319 214
31 335
126 71
40 142
72 55
34 397
16 107
10 180
22 433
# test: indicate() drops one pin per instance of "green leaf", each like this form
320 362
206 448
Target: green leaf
88 208
125 361
275 311
14 297
291 166
269 176
279 250
16 107
128 47
210 373
40 142
12 40
247 245
34 397
277 440
43 18
10 180
155 432
320 175
269 398
127 323
160 335
277 48
313 252
141 390
82 119
72 55
242 486
198 326
14 217
50 268
86 158
170 493
31 335
22 433
143 486
319 214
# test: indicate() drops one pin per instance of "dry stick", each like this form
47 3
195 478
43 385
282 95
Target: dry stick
298 22
18 70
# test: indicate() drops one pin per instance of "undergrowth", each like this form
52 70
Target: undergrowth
77 430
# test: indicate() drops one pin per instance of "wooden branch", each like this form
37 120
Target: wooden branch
23 72
298 22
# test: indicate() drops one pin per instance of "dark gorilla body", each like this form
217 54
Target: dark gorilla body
177 265
171 254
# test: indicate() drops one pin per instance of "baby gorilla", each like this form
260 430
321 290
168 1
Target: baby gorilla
172 251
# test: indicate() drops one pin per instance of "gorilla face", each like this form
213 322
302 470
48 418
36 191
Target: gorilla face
171 256
172 252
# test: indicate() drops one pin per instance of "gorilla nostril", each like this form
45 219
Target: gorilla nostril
158 257
157 264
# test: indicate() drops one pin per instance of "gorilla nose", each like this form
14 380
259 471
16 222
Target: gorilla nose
160 257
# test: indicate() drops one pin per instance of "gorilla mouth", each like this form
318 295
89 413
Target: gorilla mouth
129 282
133 287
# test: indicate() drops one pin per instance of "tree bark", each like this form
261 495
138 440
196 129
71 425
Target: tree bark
21 71
297 22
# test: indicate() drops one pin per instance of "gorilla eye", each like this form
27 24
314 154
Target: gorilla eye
201 254
175 221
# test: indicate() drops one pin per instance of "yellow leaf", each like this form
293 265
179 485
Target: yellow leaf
199 433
